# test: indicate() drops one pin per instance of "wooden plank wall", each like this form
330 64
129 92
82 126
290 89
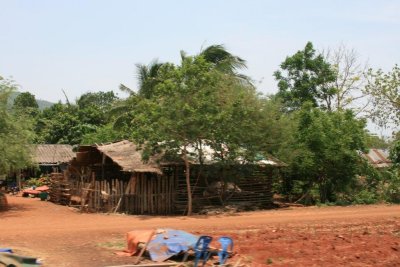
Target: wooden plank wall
150 194
143 193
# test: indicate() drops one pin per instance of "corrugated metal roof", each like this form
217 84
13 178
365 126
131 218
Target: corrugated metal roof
52 154
378 158
127 156
208 155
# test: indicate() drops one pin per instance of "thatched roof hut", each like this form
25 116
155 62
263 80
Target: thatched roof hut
109 177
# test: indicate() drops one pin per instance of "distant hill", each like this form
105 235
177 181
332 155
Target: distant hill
41 103
44 104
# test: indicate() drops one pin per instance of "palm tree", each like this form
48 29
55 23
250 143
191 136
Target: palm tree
226 62
147 76
222 59
124 110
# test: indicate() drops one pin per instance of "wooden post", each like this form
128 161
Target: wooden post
103 161
18 182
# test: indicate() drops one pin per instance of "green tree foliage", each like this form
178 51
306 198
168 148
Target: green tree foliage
374 141
102 100
15 133
384 89
25 100
93 108
60 124
185 103
194 104
217 55
395 153
306 77
68 123
103 134
148 78
26 104
325 151
224 61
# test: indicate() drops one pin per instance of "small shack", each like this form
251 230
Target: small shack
113 177
46 159
377 158
52 157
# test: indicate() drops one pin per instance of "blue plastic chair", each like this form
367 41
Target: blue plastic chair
226 243
201 249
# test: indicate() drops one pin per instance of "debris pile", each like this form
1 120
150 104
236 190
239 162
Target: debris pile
229 209
176 247
8 258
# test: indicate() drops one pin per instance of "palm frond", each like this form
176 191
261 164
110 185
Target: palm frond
147 77
126 89
218 55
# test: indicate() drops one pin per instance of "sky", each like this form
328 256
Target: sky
81 46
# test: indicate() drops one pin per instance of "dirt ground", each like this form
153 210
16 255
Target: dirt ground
312 236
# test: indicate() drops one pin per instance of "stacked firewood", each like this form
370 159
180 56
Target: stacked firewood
59 189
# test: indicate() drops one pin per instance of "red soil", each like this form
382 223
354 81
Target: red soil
326 236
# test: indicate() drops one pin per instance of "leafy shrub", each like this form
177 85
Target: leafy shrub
392 188
37 181
365 197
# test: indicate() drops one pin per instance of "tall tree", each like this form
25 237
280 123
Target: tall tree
26 104
350 80
148 78
306 77
102 100
325 150
15 133
193 104
183 110
61 124
217 55
384 89
69 123
223 60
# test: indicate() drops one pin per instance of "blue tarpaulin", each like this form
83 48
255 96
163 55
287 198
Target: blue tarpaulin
170 242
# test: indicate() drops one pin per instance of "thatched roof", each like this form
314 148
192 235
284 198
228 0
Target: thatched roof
52 154
129 158
126 155
378 158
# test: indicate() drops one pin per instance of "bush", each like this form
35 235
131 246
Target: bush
37 181
392 189
365 197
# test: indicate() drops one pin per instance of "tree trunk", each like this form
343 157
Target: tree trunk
323 190
189 190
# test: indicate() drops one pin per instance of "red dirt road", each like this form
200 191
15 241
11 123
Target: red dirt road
326 236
